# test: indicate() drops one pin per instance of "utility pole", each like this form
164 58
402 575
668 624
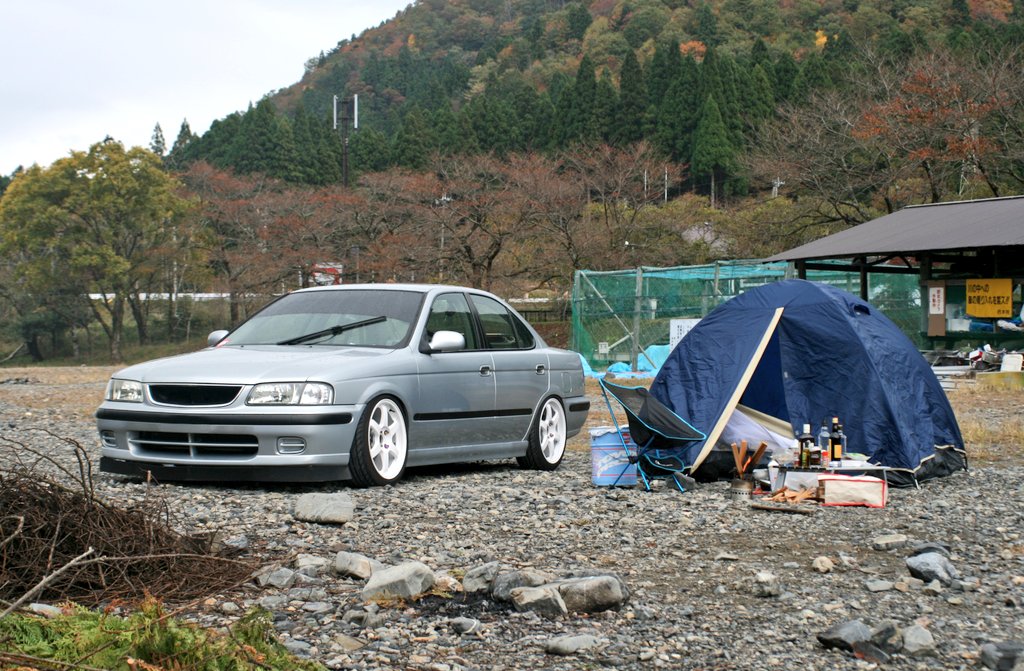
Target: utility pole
349 113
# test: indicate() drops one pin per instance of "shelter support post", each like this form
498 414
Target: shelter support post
634 355
863 263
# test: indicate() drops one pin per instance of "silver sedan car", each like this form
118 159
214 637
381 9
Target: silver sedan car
352 382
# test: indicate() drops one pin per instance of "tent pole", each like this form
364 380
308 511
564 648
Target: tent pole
737 393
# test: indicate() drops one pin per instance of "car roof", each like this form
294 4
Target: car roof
421 288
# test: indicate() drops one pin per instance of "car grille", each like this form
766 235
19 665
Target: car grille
193 394
167 444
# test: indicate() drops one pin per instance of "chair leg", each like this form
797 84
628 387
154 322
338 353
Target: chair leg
643 476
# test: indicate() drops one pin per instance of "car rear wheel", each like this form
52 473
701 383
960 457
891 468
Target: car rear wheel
381 444
546 443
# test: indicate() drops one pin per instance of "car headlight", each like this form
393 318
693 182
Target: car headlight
291 393
124 390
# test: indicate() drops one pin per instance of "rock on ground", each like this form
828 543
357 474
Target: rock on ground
685 609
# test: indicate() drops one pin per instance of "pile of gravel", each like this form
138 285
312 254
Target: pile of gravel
688 580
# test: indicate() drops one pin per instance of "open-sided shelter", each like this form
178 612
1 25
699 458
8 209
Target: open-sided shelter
796 352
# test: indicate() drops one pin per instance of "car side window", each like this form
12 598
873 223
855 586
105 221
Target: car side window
502 329
450 312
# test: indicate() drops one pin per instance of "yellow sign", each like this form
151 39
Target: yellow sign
990 298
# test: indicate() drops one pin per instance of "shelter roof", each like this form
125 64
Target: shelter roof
961 225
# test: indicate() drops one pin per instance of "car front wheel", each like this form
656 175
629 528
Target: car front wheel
381 444
546 443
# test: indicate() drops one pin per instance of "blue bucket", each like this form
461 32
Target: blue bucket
611 467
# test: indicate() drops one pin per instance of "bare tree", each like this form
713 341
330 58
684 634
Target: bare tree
943 125
620 184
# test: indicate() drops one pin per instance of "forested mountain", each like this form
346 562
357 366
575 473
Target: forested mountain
507 144
697 80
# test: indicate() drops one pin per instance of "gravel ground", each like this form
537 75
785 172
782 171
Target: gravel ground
712 583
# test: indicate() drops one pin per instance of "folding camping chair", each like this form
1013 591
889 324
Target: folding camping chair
658 434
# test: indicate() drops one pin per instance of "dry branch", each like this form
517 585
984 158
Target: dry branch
64 543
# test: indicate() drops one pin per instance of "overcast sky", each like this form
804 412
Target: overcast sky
73 72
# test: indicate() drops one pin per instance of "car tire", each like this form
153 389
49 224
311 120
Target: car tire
546 442
380 448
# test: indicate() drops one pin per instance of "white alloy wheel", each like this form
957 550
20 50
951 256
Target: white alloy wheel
546 442
551 431
381 444
386 439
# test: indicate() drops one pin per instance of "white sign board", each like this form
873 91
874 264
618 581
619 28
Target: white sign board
937 300
677 329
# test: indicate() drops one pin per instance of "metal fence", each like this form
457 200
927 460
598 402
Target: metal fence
609 307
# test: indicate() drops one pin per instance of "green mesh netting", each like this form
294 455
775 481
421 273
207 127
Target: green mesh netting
608 306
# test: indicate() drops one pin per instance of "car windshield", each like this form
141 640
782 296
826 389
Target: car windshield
343 317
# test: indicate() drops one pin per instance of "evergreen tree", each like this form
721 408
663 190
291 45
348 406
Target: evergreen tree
714 158
759 55
785 71
331 148
542 123
679 112
264 144
533 32
217 144
369 150
813 77
757 98
730 103
414 143
960 13
662 72
631 110
446 127
606 102
576 119
493 123
157 144
707 26
531 112
718 79
897 44
578 21
839 49
179 154
467 134
309 168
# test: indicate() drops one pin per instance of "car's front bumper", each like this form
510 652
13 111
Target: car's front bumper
284 444
164 472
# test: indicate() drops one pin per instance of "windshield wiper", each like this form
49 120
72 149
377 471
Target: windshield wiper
333 331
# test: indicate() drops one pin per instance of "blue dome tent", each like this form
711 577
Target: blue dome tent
802 352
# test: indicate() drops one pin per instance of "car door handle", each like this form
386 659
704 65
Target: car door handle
485 371
541 369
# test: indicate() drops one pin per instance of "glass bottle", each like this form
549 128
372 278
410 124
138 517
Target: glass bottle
836 441
806 444
823 444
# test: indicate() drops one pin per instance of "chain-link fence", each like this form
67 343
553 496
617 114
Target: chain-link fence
609 307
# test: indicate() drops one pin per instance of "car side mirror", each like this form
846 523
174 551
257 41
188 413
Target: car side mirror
447 341
214 338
